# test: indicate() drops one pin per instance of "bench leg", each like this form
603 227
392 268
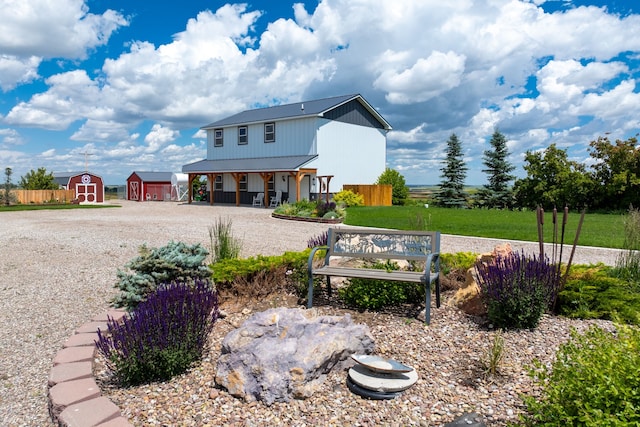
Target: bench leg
329 285
310 292
427 304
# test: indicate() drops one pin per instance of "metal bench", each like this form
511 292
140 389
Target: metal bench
371 244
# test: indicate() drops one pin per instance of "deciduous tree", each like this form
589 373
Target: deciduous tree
38 180
399 190
552 180
616 173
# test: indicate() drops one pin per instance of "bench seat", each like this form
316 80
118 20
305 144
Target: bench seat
374 244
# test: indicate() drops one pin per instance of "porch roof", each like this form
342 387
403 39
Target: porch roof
261 164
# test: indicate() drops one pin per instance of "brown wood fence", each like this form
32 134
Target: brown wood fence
374 195
44 196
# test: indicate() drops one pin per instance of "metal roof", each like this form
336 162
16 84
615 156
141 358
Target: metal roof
262 164
153 176
296 110
63 178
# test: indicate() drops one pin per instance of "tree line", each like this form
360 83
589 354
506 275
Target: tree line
609 182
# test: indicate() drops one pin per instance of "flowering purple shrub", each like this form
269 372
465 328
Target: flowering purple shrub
320 240
323 207
518 289
163 336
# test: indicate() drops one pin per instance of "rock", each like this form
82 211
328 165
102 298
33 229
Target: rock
468 298
468 420
282 353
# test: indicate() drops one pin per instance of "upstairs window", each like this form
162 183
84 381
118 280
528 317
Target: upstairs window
269 132
242 135
218 138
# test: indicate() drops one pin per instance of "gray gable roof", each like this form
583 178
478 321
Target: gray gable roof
312 108
262 164
154 176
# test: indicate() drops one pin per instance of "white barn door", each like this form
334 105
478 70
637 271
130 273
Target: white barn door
86 193
133 190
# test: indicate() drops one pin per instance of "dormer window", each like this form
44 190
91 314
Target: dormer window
269 132
218 135
243 135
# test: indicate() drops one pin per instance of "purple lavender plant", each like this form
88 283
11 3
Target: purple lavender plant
518 289
163 336
320 240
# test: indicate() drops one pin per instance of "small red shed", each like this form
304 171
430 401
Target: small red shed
88 186
149 186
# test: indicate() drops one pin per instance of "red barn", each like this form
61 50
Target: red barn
149 186
89 187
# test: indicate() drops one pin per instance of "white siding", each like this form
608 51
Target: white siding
352 154
293 138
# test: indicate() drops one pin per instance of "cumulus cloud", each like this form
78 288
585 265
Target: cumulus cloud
37 29
430 67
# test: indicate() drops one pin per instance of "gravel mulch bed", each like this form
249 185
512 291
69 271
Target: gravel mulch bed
447 355
58 268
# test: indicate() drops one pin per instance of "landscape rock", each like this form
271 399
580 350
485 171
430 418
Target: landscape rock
286 353
468 420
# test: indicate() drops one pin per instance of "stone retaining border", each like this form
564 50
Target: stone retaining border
74 397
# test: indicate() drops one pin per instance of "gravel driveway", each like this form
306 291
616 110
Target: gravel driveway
58 267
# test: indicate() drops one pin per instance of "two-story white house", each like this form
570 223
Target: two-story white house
301 150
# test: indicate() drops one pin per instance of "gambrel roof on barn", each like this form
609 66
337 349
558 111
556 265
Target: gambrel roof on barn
346 108
154 176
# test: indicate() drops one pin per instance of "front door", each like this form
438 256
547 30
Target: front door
133 190
86 193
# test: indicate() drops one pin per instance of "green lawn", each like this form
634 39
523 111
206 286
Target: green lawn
29 207
600 230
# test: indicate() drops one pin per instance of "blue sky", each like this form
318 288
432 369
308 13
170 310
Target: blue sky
125 85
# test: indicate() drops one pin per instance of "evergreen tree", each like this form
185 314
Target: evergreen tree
497 193
454 172
6 197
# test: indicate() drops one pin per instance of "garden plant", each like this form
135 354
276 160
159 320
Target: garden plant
162 336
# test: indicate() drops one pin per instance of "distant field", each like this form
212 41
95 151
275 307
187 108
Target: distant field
599 230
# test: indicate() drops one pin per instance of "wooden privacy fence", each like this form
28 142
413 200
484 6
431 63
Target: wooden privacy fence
374 195
44 196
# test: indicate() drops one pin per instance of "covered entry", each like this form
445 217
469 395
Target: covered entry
239 181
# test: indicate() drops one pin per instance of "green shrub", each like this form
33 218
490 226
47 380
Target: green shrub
591 292
175 262
163 336
457 261
223 243
266 274
349 198
628 262
593 382
373 294
517 289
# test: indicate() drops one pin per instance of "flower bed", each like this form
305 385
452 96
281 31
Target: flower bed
308 219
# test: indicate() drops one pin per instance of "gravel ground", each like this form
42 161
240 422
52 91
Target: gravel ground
57 270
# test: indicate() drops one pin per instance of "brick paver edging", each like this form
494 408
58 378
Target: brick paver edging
74 396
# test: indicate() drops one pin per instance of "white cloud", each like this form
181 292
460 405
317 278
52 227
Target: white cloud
36 29
431 67
423 80
158 137
10 137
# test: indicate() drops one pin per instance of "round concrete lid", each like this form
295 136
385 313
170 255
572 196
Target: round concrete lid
385 382
380 364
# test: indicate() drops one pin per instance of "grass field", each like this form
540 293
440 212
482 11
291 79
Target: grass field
29 207
599 230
